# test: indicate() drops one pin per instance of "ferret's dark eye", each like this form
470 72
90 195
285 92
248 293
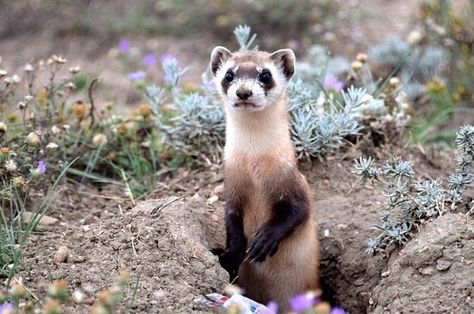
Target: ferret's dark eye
265 77
229 76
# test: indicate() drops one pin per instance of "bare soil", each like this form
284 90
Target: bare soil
165 244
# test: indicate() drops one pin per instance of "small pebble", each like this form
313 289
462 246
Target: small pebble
61 255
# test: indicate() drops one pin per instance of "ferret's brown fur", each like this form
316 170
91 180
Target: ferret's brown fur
261 171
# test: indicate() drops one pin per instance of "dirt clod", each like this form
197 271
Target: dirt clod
61 255
432 273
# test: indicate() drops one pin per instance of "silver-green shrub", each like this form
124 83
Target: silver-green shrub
320 119
414 64
410 201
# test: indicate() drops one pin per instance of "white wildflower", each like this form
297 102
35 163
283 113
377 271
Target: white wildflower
16 79
99 139
414 37
55 130
52 146
28 68
320 104
10 165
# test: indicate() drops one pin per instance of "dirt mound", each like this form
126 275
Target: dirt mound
162 243
433 273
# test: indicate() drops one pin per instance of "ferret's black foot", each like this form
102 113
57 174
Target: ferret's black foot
229 261
264 244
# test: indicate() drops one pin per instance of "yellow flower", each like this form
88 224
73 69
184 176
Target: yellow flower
4 152
12 117
456 97
42 97
465 48
79 109
435 86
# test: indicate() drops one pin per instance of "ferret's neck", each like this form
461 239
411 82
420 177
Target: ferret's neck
259 133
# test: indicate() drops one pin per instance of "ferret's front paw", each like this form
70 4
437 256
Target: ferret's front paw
264 244
229 261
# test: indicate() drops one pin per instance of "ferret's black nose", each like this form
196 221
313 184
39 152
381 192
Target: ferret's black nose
244 94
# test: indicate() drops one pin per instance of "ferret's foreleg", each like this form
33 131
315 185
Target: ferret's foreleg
232 256
291 208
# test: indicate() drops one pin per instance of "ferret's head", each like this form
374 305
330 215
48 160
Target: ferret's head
251 80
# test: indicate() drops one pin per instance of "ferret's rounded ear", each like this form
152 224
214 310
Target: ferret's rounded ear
219 55
285 59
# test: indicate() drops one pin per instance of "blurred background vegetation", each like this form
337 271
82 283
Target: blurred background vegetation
132 103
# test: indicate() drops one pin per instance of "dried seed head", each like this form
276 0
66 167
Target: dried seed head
4 152
3 73
394 81
3 128
123 278
361 57
122 128
22 105
51 307
356 65
19 182
414 37
33 139
54 59
18 291
28 68
99 139
71 85
144 110
10 165
74 70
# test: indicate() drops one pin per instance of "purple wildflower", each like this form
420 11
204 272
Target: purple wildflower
124 46
302 302
136 76
167 58
272 308
6 308
337 310
41 169
149 60
332 83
